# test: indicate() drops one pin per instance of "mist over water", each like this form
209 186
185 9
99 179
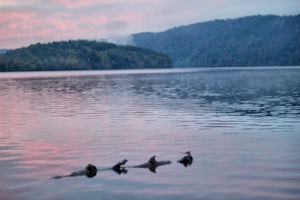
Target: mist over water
242 126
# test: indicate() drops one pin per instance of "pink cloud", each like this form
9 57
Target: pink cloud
14 23
79 3
40 21
58 26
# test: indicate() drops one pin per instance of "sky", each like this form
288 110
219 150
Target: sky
25 22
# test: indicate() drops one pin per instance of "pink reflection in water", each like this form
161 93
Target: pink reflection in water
74 123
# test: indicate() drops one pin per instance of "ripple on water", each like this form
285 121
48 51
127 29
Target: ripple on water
245 142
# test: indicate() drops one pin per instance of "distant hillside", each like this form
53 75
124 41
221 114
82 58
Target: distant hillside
248 41
81 55
3 51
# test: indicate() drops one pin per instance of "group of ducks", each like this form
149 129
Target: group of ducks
91 170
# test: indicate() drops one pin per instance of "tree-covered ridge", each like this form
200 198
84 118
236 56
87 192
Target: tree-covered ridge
81 55
249 41
2 51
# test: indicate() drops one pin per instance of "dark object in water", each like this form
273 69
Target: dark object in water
119 168
89 171
187 160
152 164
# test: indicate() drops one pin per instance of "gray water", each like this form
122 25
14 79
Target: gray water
242 126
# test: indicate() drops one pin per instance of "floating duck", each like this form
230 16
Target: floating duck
187 160
90 170
119 168
152 164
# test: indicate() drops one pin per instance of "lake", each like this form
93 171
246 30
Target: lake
242 126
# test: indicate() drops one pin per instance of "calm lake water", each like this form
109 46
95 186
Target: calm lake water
242 126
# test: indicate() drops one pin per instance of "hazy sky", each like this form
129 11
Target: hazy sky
23 22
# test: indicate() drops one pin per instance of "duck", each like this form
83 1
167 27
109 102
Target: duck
90 170
119 164
152 164
152 160
119 168
187 159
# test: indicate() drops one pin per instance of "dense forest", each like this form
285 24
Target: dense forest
2 51
81 55
249 41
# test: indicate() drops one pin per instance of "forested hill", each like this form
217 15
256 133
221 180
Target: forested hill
81 55
249 41
2 51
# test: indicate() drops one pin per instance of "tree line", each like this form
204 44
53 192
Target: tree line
248 41
81 55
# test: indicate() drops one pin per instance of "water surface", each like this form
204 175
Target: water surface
241 124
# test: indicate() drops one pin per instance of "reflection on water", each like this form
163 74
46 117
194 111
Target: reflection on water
91 170
242 126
